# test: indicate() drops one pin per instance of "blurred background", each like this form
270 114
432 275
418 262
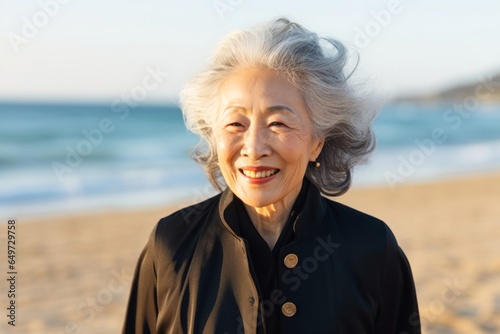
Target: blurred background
93 149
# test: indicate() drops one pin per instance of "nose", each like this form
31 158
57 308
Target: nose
256 143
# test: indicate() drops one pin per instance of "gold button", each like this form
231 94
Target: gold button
289 309
291 260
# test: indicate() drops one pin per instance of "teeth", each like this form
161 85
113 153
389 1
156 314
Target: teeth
260 174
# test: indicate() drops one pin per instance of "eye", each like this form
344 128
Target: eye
276 124
234 127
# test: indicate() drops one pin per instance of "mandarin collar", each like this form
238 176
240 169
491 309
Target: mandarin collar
311 216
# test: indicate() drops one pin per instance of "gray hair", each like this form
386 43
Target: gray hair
313 64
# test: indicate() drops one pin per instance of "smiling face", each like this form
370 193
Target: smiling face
264 137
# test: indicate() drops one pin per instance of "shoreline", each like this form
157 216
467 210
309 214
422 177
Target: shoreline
185 200
75 269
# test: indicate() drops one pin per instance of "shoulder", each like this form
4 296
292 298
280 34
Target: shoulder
190 215
358 228
355 220
184 225
366 242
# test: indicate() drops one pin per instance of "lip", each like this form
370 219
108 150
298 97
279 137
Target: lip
256 169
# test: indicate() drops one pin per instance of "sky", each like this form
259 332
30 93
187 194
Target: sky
101 51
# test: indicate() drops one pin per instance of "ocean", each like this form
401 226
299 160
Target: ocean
59 158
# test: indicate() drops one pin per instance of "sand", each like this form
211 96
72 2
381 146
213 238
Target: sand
74 271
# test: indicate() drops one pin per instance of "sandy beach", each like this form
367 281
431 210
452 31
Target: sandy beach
74 271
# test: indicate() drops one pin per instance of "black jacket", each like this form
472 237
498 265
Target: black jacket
347 275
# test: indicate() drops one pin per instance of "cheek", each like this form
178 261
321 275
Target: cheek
297 162
295 148
221 149
226 148
221 143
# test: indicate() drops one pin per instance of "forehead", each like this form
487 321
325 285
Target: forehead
259 87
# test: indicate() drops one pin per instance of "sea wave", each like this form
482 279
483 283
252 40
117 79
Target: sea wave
145 159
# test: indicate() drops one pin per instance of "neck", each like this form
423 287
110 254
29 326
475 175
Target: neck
270 220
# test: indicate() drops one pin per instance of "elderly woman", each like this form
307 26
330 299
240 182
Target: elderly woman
270 254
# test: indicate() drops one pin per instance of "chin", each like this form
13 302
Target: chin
256 204
257 199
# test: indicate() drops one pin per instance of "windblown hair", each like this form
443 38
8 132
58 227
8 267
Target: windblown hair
317 67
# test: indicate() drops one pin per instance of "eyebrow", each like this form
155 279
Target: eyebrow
271 109
280 108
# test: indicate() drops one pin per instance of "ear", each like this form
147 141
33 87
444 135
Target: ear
317 147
